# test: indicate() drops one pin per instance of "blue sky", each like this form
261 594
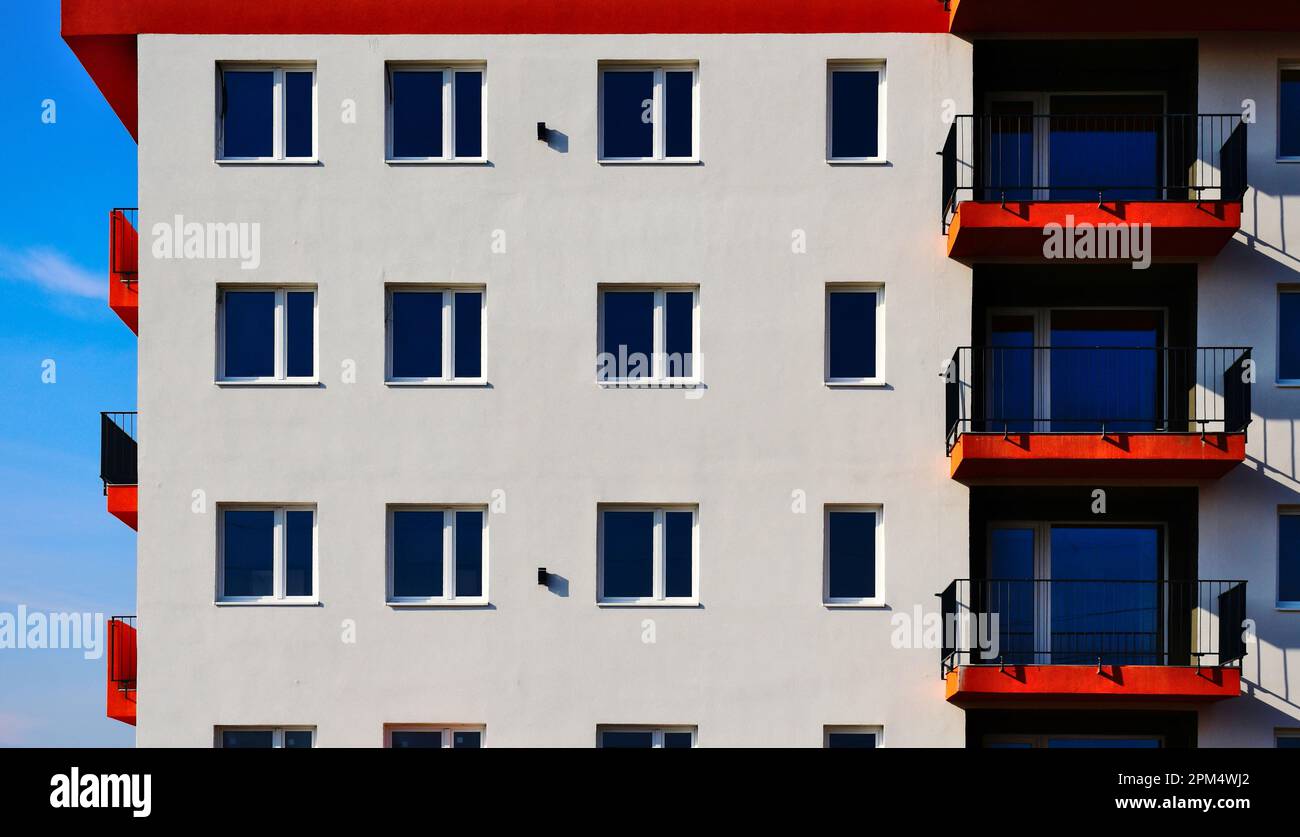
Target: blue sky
59 548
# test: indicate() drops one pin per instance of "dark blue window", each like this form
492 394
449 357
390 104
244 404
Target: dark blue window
466 739
469 114
410 739
629 324
298 115
297 739
1009 163
677 740
855 113
627 113
247 739
416 113
248 113
851 741
1288 742
301 334
1103 743
248 552
469 553
679 113
628 554
679 551
1010 592
1008 366
249 334
1094 617
1106 144
1104 368
851 319
680 336
1288 114
1288 336
417 554
467 354
415 329
851 554
626 740
298 552
1288 569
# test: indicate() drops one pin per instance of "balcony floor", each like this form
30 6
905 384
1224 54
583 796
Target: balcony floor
1093 456
984 684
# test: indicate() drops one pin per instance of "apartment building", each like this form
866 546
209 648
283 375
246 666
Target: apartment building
573 374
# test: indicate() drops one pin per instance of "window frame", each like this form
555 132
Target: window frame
659 354
656 733
1282 289
882 132
447 731
278 555
448 377
876 601
1283 66
878 730
1279 603
657 597
281 336
1280 733
448 70
278 138
448 597
660 69
277 733
879 379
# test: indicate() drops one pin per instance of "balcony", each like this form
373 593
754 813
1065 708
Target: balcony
1033 640
124 266
121 669
1023 186
117 465
1096 412
1003 17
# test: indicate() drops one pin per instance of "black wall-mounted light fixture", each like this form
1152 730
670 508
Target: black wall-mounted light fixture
543 132
543 577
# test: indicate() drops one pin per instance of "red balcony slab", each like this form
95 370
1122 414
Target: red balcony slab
1016 230
975 685
1015 16
124 504
121 673
1091 455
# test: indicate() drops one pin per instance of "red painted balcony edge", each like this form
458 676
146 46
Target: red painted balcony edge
1180 230
124 504
1101 16
119 705
1088 455
123 261
102 33
967 685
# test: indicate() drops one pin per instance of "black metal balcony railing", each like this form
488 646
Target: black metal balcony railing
122 650
124 244
1092 622
1101 157
1087 389
117 449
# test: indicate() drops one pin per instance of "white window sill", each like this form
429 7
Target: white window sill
267 161
1288 160
1287 384
860 604
438 382
293 382
649 161
267 603
1288 607
683 603
853 161
428 603
438 161
872 383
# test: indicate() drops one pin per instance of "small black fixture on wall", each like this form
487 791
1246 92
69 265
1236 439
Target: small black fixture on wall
543 133
543 577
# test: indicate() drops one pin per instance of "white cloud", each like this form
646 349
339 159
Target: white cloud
51 271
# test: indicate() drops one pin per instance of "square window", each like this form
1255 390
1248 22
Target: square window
267 738
435 335
852 564
435 114
645 738
1288 335
420 542
854 334
433 737
851 738
856 112
1288 739
648 336
648 113
1288 559
648 555
267 554
266 335
266 112
1288 113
